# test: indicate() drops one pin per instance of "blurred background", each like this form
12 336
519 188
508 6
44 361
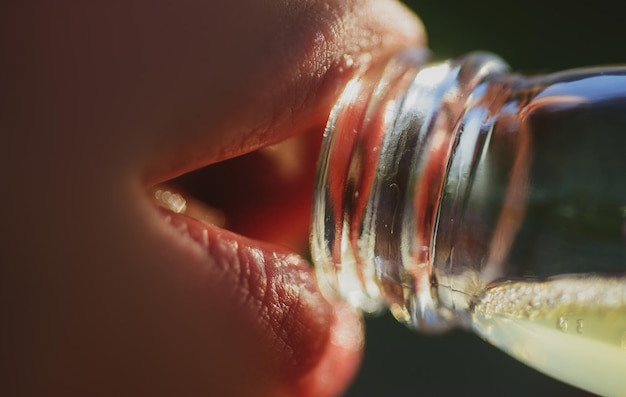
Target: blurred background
533 37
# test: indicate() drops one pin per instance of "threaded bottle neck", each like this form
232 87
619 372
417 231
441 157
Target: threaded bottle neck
385 157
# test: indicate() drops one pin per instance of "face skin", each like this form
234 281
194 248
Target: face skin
102 291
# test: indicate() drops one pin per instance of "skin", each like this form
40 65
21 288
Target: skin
104 293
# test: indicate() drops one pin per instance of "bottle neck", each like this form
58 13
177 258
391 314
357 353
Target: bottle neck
399 134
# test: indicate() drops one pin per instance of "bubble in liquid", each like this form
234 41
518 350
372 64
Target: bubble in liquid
561 323
580 325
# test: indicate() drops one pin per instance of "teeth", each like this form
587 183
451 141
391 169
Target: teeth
205 238
172 201
166 198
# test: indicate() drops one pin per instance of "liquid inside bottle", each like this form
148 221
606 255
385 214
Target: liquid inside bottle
573 328
460 194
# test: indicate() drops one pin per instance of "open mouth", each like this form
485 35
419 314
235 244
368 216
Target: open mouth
241 225
263 195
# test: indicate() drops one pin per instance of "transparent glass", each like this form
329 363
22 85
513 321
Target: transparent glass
461 194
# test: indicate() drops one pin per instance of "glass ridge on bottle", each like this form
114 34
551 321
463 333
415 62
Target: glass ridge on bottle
461 194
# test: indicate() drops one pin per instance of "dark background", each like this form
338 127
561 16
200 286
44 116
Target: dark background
533 37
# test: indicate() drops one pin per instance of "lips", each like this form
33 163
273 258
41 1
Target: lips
247 271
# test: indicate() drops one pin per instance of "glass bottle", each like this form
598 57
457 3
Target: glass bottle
461 194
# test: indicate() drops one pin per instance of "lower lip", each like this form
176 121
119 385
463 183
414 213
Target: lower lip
271 288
